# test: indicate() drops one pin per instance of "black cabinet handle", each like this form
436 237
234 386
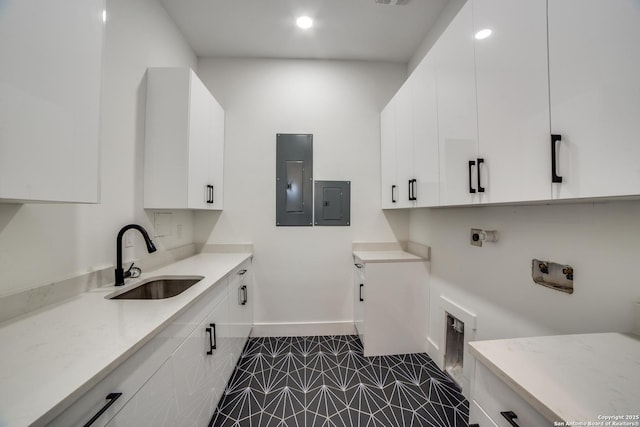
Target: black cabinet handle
555 138
361 286
510 416
111 397
414 189
243 291
480 187
410 187
212 337
471 165
209 194
393 193
242 272
358 265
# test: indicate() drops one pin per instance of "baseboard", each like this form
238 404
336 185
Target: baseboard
303 329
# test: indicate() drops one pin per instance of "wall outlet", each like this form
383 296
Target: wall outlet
475 239
162 224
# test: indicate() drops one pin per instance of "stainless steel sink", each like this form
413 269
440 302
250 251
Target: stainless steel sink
157 288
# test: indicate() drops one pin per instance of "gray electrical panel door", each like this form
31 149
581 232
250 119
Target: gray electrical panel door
333 203
294 178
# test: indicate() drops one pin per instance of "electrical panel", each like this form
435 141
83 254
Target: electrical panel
332 205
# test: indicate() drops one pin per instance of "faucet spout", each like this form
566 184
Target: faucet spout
119 272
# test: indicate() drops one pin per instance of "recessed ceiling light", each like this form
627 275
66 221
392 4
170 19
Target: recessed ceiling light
483 34
304 22
104 15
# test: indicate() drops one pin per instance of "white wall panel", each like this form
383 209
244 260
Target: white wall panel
598 239
301 274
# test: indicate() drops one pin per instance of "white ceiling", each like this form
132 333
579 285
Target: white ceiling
343 29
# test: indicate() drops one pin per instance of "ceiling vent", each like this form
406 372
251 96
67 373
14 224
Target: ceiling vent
393 2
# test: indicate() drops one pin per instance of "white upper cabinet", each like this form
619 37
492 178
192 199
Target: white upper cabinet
409 143
184 142
457 117
594 63
388 166
404 144
50 100
426 170
513 99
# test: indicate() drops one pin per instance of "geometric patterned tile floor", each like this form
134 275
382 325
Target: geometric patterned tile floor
326 381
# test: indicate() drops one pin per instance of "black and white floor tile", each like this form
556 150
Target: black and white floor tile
326 381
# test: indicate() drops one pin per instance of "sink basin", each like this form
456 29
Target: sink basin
157 288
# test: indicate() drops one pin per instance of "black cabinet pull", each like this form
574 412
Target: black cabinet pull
111 397
480 187
393 193
555 138
244 295
358 265
209 194
471 165
410 187
242 272
212 337
361 286
414 189
510 416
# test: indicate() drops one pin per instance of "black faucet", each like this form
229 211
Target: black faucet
120 273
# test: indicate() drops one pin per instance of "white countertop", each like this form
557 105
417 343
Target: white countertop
569 377
50 357
385 256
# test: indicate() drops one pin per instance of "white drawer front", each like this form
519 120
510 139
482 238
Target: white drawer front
494 396
478 416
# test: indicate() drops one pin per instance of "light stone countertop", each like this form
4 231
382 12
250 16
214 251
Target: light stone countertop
385 256
569 378
52 356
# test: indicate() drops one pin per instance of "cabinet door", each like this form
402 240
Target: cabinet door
425 134
358 300
457 117
388 166
155 404
200 143
513 99
216 153
240 309
199 377
594 64
404 142
50 100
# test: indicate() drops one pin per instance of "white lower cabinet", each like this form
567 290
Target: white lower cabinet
155 404
178 377
240 308
493 402
391 306
201 368
358 300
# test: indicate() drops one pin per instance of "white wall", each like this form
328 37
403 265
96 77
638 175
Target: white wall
449 11
41 244
303 274
600 240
